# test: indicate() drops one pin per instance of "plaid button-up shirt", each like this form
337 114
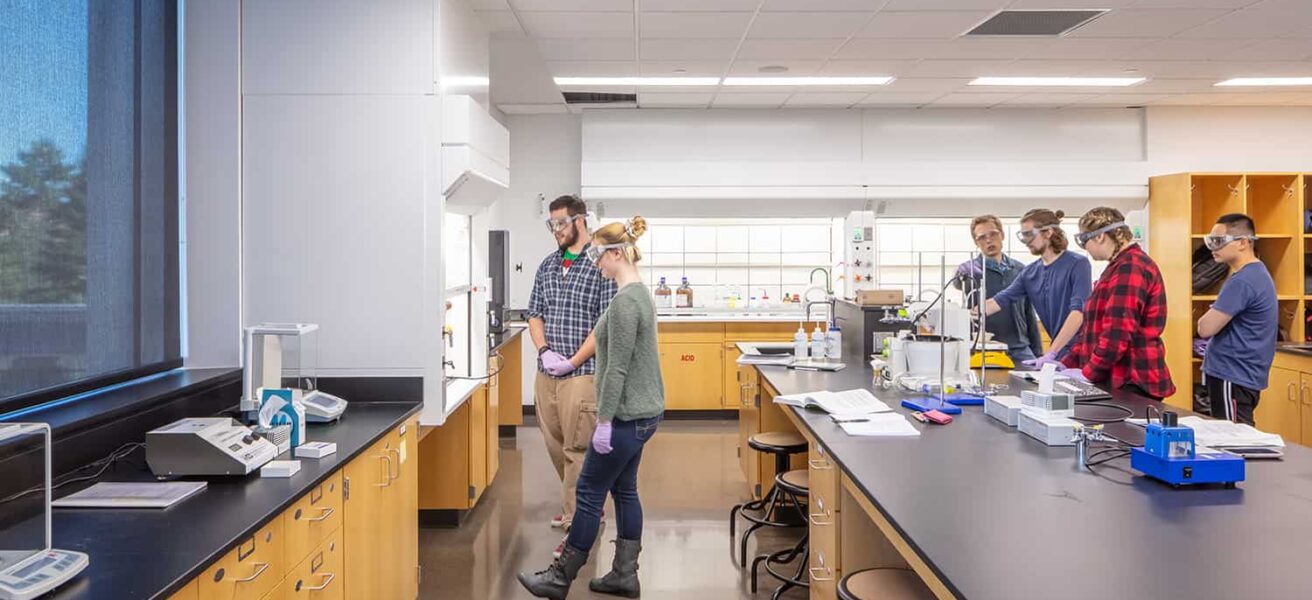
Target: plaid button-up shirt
1121 340
569 303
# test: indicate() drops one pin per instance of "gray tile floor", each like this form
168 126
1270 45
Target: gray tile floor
689 479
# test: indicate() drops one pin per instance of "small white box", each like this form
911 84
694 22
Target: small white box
1061 405
1049 429
280 468
1003 408
315 449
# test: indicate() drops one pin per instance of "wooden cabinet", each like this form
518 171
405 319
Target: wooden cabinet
320 576
764 415
1278 410
461 457
311 519
823 524
749 424
510 382
366 529
693 374
250 571
190 592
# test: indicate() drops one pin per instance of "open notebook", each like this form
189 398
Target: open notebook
850 402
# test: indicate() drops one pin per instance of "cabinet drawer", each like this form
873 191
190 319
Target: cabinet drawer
310 520
824 560
250 571
759 332
319 576
823 476
690 332
191 592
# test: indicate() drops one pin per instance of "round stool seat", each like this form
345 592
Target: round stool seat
778 442
797 481
883 584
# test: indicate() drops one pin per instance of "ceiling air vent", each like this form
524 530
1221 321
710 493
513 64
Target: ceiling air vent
601 100
1034 22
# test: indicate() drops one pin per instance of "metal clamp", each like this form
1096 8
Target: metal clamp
387 471
327 581
260 568
323 516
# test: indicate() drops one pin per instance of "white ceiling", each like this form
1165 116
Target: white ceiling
1182 46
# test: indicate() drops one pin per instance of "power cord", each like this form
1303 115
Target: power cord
101 465
1127 413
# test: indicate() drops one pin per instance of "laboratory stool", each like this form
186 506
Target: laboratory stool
775 511
891 583
797 486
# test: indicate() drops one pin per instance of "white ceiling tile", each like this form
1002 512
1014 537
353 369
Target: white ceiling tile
1123 100
687 49
927 85
946 4
533 109
1065 4
671 68
1190 100
896 68
968 99
1194 3
819 5
750 99
788 49
573 5
1261 98
489 5
900 98
795 67
602 89
806 25
1290 49
699 5
1298 34
1054 68
693 25
499 21
825 98
1186 49
969 49
1267 19
590 49
1222 70
578 24
1085 48
593 68
1047 99
1147 23
677 99
1167 86
957 68
929 24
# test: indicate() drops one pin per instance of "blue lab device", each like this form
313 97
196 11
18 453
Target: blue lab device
1170 455
928 403
964 399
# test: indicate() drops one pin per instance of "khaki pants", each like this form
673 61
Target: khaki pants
567 416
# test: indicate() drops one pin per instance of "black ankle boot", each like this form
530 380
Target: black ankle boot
622 580
554 582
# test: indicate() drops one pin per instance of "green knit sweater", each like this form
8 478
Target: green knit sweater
629 385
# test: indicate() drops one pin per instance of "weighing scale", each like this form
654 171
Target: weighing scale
322 408
30 573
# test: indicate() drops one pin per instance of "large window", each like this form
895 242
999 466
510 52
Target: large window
457 258
88 195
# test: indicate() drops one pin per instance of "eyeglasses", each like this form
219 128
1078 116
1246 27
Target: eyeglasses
554 225
1217 242
1025 235
1083 238
988 236
594 252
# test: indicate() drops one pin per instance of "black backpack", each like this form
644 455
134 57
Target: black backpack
1207 272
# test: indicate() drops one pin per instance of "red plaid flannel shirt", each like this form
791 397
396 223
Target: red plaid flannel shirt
1123 321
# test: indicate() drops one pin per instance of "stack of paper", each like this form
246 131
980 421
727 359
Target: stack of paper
851 402
782 360
1221 434
881 425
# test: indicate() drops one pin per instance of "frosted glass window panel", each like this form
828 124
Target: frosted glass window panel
893 237
672 276
814 259
759 276
734 258
732 239
458 349
765 238
668 239
731 276
774 292
806 238
926 237
699 258
644 242
896 259
699 239
766 259
456 231
959 238
700 276
663 259
795 276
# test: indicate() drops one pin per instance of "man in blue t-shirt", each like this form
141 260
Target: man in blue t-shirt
1241 323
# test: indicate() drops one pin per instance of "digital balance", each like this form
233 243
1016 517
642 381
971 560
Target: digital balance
285 355
28 567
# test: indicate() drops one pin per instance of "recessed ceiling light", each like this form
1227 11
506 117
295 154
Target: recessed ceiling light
639 81
771 81
1060 81
773 69
1260 81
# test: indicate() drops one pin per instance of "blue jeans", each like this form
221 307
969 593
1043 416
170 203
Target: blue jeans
616 473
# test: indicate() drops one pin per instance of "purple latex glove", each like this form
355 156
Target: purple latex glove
555 364
969 269
1076 374
601 438
1200 346
1038 363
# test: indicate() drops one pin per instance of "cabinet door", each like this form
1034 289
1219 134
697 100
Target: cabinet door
493 426
693 375
1278 410
250 571
478 440
190 592
749 424
365 527
406 506
319 576
1305 410
732 377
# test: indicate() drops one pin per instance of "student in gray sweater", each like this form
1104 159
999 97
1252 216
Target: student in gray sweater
630 402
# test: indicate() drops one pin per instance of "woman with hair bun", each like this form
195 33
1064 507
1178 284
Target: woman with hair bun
1056 285
630 402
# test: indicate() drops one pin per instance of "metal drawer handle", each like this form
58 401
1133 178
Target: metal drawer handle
398 465
815 577
1289 393
1304 394
387 471
819 465
323 516
327 581
260 568
824 512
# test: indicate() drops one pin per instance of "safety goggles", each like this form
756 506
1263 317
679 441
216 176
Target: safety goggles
554 225
1217 242
1025 235
595 252
1083 238
988 236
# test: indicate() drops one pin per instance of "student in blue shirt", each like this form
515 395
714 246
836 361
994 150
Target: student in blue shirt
1056 285
1242 323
